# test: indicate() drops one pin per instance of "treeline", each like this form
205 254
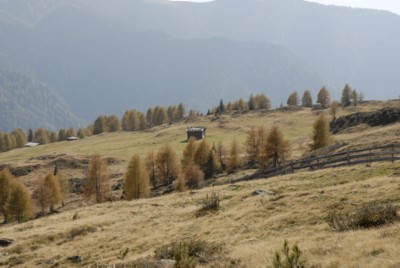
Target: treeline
257 102
18 138
199 162
134 120
261 101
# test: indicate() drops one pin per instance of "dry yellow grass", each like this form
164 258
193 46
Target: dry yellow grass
250 228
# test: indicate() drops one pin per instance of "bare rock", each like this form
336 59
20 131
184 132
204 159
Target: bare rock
5 242
262 192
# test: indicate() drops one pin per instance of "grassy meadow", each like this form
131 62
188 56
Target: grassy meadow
248 228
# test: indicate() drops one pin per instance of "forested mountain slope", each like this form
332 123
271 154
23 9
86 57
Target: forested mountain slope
26 103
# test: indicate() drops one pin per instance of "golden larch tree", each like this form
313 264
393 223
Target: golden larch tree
48 193
19 204
324 98
321 133
97 179
275 149
151 166
201 155
167 164
193 175
137 181
6 180
254 142
189 151
235 162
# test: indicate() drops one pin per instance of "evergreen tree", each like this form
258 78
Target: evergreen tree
62 134
306 100
97 179
30 135
213 165
252 103
324 97
346 96
137 181
100 125
221 107
321 134
276 148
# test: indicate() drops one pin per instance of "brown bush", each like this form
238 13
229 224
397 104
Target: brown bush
365 216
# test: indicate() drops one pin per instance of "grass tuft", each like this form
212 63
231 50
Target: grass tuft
210 204
188 252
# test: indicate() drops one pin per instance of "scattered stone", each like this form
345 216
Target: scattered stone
3 254
381 117
46 262
262 192
348 202
167 263
77 185
5 242
75 259
117 186
40 214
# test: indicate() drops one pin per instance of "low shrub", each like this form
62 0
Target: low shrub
362 217
188 252
210 204
288 258
80 231
139 263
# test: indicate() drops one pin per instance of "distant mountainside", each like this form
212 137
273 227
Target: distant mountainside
26 103
106 56
100 67
345 45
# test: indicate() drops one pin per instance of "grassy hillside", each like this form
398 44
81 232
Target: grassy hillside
248 228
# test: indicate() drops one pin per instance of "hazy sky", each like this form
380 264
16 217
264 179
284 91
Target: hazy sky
391 5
